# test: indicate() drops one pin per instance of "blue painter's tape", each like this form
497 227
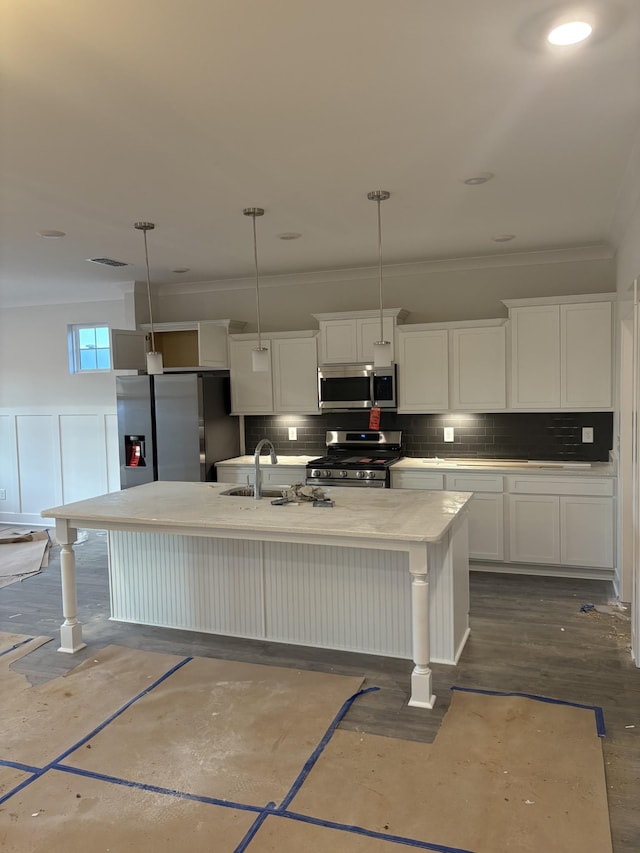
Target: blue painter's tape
597 710
120 711
16 765
371 833
315 755
156 789
16 646
255 826
95 731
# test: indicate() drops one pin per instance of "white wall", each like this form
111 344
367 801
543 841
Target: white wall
431 292
57 430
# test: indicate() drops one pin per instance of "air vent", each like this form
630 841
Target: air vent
108 262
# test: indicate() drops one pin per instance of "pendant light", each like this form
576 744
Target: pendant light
381 348
259 354
154 359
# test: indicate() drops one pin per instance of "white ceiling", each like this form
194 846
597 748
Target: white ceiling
183 112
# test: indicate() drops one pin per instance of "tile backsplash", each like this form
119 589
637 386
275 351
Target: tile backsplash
505 435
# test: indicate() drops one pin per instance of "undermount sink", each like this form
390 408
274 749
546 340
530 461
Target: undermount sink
247 492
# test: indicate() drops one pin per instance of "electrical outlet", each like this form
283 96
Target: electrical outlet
293 433
587 435
448 433
3 494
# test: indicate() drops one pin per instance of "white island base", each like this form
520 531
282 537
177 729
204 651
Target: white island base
383 572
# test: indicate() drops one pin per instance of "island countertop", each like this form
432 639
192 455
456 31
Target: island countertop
376 514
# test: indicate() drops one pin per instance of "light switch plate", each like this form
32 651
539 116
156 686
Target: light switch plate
587 435
448 433
3 494
293 433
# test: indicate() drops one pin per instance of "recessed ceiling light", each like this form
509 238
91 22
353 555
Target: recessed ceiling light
503 238
289 235
181 269
480 178
570 32
51 235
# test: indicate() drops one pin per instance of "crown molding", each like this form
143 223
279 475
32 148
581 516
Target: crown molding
516 259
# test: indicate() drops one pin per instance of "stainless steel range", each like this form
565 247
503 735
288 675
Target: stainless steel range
356 458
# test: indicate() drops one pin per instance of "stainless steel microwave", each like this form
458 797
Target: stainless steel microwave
357 386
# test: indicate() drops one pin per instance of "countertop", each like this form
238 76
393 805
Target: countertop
265 459
491 466
202 509
497 466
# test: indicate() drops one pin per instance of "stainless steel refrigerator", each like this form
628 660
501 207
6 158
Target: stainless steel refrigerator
174 426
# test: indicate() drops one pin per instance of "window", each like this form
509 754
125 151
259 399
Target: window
89 348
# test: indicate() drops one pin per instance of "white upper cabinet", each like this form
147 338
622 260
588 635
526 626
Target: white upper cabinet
561 352
128 349
295 375
349 336
586 355
189 345
535 357
478 367
423 369
452 366
251 393
290 386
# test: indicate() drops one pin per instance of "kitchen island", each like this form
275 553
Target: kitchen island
382 571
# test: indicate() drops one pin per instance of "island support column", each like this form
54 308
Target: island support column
421 695
71 629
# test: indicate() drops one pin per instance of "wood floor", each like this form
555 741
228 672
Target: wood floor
527 635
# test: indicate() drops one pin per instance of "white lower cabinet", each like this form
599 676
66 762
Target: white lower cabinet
486 513
562 523
485 509
277 475
534 529
587 526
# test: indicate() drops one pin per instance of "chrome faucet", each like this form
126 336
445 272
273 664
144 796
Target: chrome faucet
257 482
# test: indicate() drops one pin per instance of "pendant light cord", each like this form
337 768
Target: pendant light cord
255 259
380 269
146 258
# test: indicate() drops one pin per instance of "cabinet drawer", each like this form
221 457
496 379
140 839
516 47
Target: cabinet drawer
531 485
416 480
474 483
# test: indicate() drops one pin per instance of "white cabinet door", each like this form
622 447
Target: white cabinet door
128 349
288 476
295 375
486 513
368 332
416 480
586 355
338 341
535 357
486 527
423 371
534 529
240 474
344 341
212 345
587 531
478 368
251 393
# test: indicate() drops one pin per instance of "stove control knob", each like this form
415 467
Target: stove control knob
317 472
342 474
361 475
371 475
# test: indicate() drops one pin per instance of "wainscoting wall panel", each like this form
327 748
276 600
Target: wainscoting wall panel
48 458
